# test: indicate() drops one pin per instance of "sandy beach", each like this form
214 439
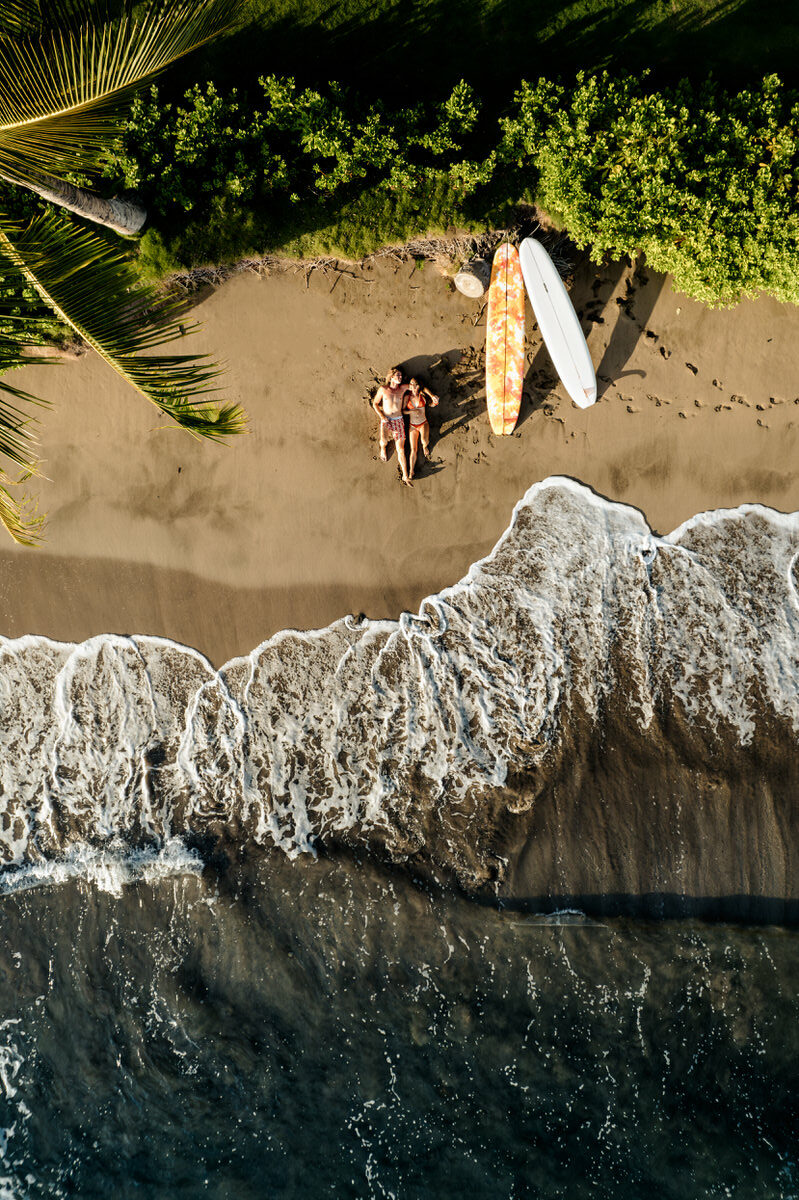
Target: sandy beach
299 523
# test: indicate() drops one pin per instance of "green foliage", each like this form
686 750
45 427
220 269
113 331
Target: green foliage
378 218
19 302
301 167
434 43
703 181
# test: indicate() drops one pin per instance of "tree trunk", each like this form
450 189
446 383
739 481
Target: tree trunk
119 215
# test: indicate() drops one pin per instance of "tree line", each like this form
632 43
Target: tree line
702 180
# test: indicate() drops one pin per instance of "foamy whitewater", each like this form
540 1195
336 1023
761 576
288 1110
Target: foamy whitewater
233 960
435 738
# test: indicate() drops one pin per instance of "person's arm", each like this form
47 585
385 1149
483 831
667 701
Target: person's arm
405 397
377 404
432 397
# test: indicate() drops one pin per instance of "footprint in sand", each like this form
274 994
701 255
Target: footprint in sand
762 424
666 353
736 399
631 408
692 368
776 400
717 383
652 335
682 414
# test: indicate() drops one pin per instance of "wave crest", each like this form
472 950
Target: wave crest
456 737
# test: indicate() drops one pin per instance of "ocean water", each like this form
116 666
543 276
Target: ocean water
387 909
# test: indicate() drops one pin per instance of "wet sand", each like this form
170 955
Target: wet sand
299 522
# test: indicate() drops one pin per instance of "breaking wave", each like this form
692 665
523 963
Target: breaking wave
593 711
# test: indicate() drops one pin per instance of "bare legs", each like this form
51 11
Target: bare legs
385 438
401 460
415 432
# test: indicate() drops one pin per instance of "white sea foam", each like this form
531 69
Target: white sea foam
123 743
109 869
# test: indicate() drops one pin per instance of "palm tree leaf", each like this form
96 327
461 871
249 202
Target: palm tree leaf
19 330
18 17
17 438
18 441
92 286
19 516
62 95
33 16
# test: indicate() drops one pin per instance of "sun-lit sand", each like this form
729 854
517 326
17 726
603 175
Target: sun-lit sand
299 522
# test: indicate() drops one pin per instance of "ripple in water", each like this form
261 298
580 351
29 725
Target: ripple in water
333 1031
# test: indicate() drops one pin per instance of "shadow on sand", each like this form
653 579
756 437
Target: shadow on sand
593 300
641 294
457 376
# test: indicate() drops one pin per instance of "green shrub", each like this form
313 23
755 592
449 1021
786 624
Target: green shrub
216 160
703 181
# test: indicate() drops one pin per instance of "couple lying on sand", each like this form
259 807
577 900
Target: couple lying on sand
391 402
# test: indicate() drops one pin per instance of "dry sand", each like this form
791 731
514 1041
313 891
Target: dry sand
299 522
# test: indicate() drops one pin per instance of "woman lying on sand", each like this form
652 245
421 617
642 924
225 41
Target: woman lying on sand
416 399
388 404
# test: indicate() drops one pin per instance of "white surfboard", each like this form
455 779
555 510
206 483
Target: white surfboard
558 322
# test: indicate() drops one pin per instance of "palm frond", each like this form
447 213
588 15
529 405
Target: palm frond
36 16
17 17
21 517
17 437
19 330
18 441
92 286
62 95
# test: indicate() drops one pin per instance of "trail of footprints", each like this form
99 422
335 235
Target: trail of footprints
590 312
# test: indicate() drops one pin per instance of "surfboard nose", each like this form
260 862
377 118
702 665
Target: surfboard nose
584 397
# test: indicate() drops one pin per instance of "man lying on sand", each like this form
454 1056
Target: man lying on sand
388 404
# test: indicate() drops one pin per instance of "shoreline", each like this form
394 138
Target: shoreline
298 523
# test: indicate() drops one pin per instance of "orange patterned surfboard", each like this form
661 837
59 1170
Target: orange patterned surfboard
505 340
